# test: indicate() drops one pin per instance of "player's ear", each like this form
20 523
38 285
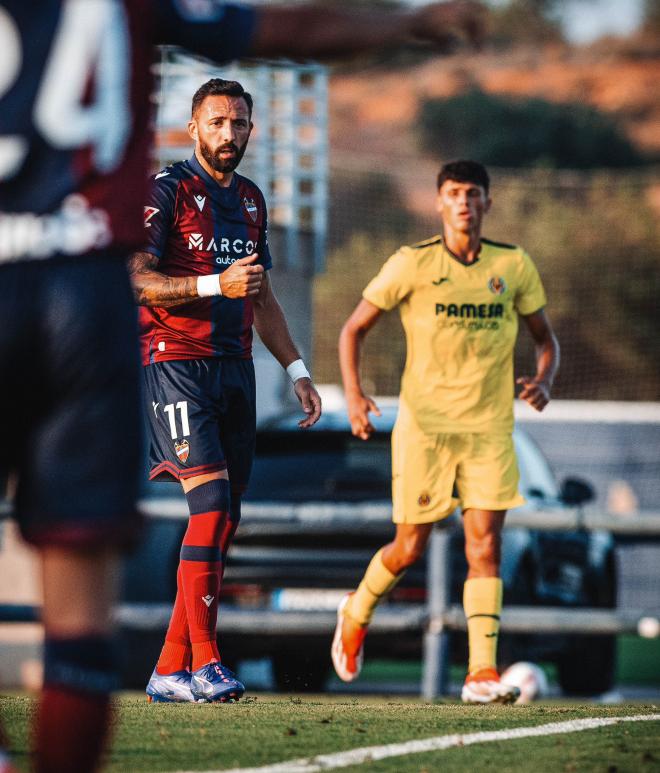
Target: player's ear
489 201
192 130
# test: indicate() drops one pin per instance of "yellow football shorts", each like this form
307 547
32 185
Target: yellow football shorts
433 474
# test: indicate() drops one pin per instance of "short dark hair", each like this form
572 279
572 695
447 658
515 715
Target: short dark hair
217 86
464 172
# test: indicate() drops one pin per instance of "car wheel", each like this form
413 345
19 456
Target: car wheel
294 672
515 647
587 666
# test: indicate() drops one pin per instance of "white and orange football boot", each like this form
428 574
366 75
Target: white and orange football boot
484 686
347 650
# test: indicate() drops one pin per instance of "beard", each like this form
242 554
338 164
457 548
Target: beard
214 160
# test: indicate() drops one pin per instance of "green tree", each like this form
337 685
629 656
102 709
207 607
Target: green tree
509 132
526 21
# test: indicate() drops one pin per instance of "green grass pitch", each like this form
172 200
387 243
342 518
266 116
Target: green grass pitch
264 729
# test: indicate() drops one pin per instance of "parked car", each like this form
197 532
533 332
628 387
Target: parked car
319 506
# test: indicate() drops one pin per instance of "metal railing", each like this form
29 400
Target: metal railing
439 617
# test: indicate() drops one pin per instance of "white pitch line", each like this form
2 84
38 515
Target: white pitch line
322 762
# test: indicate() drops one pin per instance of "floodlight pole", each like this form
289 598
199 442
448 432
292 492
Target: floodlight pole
435 676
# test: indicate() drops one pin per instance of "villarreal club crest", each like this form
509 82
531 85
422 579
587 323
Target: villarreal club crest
497 285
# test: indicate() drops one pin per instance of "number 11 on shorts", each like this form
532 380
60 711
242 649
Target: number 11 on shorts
182 407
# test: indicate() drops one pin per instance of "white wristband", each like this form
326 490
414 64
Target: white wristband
208 285
297 370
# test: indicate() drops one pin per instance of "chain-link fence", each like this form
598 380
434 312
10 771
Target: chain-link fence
594 237
596 241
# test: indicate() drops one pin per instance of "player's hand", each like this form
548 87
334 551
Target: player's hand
536 393
442 23
310 400
359 407
242 278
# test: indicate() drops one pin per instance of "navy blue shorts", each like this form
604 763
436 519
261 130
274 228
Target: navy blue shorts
202 418
70 397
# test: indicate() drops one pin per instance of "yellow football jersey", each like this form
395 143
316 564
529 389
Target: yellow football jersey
461 323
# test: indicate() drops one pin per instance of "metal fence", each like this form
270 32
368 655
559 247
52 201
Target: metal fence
438 617
595 237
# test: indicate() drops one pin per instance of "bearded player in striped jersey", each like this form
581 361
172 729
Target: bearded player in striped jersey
460 296
203 281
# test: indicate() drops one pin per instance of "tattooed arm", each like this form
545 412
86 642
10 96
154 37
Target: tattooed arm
152 288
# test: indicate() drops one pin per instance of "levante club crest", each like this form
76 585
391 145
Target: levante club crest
182 450
497 285
250 208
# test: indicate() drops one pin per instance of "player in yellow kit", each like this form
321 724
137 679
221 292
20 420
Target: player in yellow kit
460 297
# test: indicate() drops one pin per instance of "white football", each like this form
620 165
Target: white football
529 679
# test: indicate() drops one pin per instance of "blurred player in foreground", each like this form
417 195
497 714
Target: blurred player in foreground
74 143
207 236
459 296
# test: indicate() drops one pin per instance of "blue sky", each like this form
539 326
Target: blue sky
586 20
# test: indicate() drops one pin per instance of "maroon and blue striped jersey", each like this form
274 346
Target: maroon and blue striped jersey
75 123
196 227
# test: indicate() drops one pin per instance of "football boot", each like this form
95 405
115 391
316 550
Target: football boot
215 682
347 655
484 686
170 688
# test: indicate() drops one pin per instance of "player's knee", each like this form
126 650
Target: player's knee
87 664
483 552
212 496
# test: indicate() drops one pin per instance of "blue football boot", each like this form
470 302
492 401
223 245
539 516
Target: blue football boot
170 688
215 682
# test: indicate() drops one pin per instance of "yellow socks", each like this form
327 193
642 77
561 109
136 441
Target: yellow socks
377 581
482 602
